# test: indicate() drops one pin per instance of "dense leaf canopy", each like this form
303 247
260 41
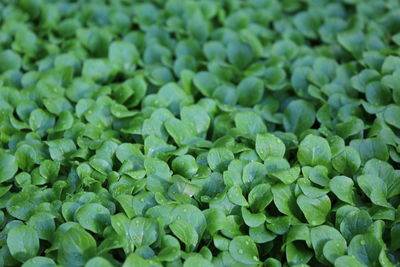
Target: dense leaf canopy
199 133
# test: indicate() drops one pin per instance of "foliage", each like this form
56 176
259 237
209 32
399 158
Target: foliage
199 133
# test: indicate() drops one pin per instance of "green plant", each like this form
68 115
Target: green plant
199 133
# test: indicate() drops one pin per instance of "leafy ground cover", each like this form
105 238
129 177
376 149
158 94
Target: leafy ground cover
199 133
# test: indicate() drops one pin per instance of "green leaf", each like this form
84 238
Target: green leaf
386 172
366 249
98 262
315 209
344 261
279 225
49 170
370 148
244 250
44 225
275 78
134 260
76 247
8 166
191 214
93 217
197 117
98 70
320 235
219 158
350 127
297 253
314 150
251 219
186 233
206 82
285 200
317 174
307 23
250 86
309 189
353 41
185 165
144 231
235 195
197 261
334 249
198 27
374 188
299 116
249 124
261 235
10 60
239 54
354 223
268 145
124 54
287 176
60 149
181 131
259 197
347 162
23 251
39 262
343 188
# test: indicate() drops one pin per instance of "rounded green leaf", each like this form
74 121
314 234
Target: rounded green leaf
219 158
370 148
320 235
185 165
206 82
285 200
366 249
299 116
76 247
333 249
391 115
347 162
186 233
345 261
124 54
39 262
93 217
235 195
314 150
144 231
287 176
250 86
268 145
44 225
342 187
244 250
8 166
197 261
354 223
249 124
98 262
315 209
9 60
252 219
239 54
23 251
